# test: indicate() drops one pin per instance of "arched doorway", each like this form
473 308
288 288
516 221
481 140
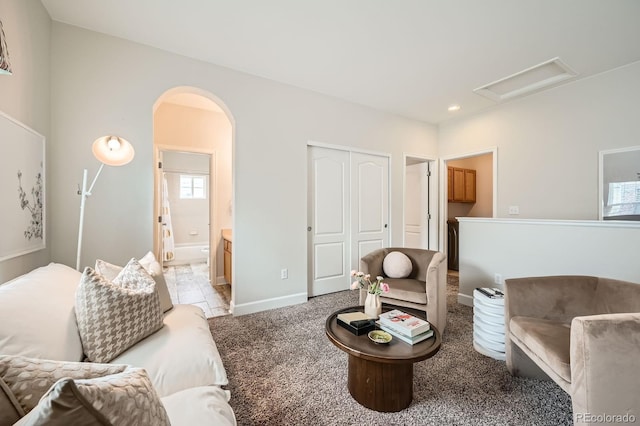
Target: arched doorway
193 196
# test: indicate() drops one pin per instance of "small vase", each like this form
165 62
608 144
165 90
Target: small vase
372 306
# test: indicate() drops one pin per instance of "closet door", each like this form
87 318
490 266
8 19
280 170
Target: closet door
328 221
369 205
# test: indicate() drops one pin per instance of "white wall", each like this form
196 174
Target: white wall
103 85
529 248
25 97
548 142
547 147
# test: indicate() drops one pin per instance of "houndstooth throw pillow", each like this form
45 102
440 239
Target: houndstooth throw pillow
151 265
126 398
113 316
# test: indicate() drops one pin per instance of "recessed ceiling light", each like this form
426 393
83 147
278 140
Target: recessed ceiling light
454 108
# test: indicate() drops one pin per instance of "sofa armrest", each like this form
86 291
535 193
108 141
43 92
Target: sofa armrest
372 263
436 288
605 366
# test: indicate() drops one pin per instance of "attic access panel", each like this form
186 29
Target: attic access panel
528 81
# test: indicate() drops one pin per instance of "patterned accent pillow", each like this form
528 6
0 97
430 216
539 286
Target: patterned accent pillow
126 398
113 316
27 379
10 409
151 265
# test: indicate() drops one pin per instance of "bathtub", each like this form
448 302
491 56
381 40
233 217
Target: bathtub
189 253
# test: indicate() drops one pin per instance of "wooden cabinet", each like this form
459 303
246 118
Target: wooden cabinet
227 261
461 185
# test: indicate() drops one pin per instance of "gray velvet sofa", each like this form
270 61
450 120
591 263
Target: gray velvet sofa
424 289
584 333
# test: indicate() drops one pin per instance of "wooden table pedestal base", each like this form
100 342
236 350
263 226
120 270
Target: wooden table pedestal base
381 386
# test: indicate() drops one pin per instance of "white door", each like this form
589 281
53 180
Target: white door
329 230
369 205
416 206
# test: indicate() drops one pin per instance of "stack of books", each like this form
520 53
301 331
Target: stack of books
493 293
405 327
356 322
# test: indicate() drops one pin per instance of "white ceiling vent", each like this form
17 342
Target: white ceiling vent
530 80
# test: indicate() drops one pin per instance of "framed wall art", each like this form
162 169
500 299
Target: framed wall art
22 189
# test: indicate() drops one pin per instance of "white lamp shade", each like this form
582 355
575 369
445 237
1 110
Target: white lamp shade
113 150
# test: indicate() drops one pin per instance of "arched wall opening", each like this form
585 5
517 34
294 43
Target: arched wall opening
193 134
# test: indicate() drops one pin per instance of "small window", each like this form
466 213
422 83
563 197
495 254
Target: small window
623 200
192 187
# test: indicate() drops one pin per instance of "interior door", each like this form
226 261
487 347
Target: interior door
416 231
369 205
329 228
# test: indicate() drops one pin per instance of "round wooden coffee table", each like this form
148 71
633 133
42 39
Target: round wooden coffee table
381 375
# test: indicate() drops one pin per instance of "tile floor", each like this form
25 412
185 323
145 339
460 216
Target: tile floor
189 284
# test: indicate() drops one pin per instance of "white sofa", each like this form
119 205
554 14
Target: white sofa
37 320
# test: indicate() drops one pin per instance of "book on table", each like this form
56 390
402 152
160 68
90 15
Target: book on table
407 339
404 323
356 322
492 293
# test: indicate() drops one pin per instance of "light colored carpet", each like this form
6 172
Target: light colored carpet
284 371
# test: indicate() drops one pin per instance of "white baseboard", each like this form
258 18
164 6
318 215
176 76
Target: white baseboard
265 305
221 280
465 299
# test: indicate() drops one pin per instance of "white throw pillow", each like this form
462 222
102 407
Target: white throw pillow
113 316
36 314
397 265
149 262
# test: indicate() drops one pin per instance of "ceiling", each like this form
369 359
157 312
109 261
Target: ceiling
408 57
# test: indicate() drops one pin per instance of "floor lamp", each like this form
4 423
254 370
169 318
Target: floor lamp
109 150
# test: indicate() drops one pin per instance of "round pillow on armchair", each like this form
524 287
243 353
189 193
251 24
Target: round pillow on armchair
397 265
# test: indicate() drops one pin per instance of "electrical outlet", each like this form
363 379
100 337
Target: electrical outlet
284 274
514 210
497 279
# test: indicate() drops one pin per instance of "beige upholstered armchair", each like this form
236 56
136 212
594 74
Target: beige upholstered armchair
582 332
425 288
